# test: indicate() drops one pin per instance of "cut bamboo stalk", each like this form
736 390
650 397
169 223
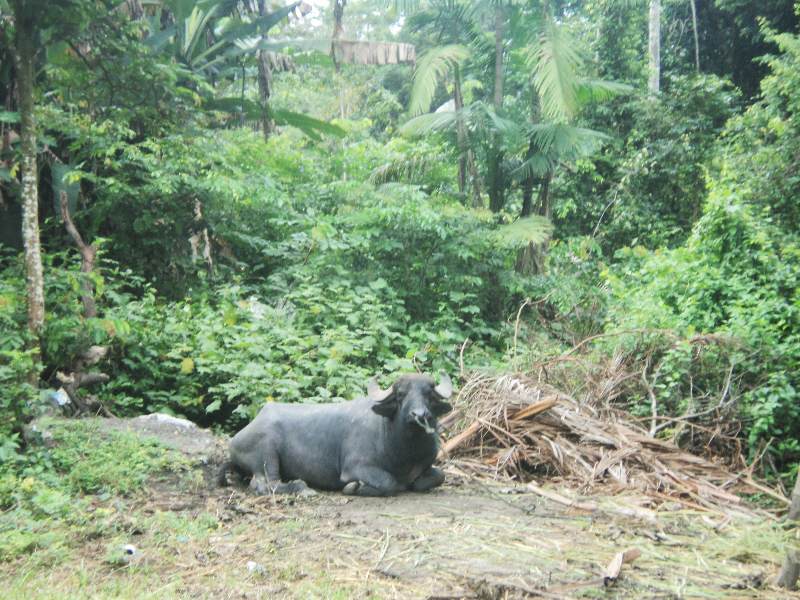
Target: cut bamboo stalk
592 506
698 487
535 409
455 442
462 437
749 481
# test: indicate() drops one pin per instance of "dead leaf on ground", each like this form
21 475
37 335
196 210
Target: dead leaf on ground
613 569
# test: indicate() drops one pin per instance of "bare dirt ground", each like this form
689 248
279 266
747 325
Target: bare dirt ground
467 539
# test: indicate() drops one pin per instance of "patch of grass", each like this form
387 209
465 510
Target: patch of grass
72 488
114 462
89 584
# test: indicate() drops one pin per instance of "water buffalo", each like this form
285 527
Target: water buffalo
374 446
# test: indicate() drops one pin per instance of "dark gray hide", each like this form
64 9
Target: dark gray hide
374 446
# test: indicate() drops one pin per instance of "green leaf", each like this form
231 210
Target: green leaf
554 61
56 49
431 67
309 125
597 90
378 284
187 365
215 405
428 123
264 23
252 111
158 40
533 229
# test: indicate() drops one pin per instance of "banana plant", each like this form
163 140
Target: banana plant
235 37
185 40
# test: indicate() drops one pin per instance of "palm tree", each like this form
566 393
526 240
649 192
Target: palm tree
453 21
556 93
547 139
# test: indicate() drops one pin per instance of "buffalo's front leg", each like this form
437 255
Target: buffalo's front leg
372 481
430 478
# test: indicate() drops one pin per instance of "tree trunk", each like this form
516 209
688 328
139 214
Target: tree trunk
527 196
696 38
794 508
466 159
654 63
530 180
265 81
498 56
494 172
25 19
338 13
461 133
544 204
477 181
88 254
494 177
787 576
530 259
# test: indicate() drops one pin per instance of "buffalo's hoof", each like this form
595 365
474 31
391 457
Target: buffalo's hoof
298 487
351 488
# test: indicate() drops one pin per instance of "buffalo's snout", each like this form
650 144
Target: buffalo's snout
421 414
424 418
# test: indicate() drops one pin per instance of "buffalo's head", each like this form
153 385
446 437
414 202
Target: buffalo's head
415 397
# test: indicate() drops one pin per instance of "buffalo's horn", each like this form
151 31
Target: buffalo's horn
445 388
375 392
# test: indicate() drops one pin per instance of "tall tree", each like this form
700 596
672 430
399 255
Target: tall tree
696 36
452 24
27 15
495 175
338 28
654 47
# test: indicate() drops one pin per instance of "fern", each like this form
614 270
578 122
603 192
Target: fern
534 229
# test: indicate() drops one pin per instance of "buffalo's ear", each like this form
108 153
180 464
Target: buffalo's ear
441 408
386 408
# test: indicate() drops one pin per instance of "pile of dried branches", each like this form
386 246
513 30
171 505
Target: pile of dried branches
516 427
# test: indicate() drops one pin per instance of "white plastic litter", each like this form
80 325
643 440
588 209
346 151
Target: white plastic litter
61 397
169 419
254 567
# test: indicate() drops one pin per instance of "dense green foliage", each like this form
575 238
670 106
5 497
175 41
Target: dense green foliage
235 270
738 274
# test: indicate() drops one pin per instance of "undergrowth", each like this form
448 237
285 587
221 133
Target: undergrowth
74 485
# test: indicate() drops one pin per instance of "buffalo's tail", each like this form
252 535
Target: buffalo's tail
222 479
